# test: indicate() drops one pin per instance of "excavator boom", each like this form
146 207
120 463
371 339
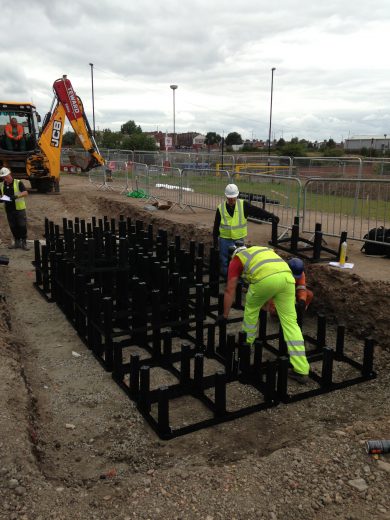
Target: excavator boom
74 111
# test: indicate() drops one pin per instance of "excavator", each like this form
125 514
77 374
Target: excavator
34 153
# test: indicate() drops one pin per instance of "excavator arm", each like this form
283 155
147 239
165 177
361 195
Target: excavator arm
66 104
74 111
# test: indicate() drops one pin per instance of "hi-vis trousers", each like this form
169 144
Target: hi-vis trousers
281 288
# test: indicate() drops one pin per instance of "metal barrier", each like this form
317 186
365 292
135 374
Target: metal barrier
97 177
203 188
140 178
278 194
333 167
376 167
148 157
274 165
352 205
165 183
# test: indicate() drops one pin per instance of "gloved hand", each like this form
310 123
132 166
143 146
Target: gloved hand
13 197
220 319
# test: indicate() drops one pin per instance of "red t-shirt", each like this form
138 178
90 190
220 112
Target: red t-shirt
235 268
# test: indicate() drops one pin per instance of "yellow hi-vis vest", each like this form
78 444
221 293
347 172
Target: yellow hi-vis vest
260 262
234 227
19 203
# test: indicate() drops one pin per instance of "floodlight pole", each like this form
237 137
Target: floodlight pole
174 87
270 111
93 101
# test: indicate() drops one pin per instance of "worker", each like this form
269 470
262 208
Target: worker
13 193
230 223
14 136
269 276
303 295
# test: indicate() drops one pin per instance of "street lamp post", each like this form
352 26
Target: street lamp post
174 87
270 111
93 101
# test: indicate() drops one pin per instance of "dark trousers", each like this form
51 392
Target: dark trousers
14 145
17 221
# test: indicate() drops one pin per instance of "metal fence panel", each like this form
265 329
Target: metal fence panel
374 168
148 157
117 174
332 167
277 194
139 177
272 165
203 188
352 205
165 183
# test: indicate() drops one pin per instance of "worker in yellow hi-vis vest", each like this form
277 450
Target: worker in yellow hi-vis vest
269 276
230 223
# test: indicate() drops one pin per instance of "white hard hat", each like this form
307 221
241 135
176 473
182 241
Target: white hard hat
231 191
4 172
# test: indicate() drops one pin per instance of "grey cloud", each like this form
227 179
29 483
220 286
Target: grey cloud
207 48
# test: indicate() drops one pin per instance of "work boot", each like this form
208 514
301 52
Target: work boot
16 245
24 245
299 378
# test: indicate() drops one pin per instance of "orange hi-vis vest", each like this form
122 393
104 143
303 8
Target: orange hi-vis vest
9 131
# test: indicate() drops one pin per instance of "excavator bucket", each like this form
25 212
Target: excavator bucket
80 160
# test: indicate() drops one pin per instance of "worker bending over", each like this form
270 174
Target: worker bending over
230 223
269 276
303 294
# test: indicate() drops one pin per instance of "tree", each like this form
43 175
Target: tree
111 139
130 128
212 138
138 141
69 138
333 152
293 149
233 138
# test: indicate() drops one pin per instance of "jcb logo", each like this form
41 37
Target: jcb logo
56 134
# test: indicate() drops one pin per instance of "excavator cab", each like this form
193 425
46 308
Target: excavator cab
21 121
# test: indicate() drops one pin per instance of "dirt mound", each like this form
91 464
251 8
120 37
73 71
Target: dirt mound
363 306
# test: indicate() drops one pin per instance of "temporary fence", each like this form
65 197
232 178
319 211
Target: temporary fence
352 205
277 194
331 167
375 167
203 188
140 178
165 183
272 165
97 177
117 175
147 157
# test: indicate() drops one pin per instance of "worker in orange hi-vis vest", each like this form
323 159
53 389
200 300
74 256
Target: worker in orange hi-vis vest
14 136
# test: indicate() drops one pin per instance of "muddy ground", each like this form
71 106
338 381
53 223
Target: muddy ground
73 446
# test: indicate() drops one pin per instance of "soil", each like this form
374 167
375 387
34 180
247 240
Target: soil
73 446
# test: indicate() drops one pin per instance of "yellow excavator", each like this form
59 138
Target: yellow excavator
34 153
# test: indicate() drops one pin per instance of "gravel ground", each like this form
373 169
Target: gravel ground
73 446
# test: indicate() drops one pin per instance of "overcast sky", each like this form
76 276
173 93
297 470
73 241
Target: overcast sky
332 77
